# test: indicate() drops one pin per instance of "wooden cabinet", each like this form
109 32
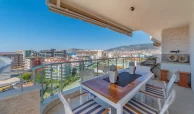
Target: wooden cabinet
164 75
184 79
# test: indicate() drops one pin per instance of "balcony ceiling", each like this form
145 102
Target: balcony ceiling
150 16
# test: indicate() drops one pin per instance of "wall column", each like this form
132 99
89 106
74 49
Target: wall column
192 53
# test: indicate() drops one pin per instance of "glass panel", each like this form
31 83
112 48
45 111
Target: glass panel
71 78
102 67
112 61
126 62
120 63
46 81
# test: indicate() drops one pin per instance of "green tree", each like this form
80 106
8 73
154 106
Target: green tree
74 71
26 76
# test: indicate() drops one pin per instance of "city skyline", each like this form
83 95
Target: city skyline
42 29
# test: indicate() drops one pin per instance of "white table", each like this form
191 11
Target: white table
97 90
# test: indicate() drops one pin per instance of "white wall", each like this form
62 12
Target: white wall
174 39
192 53
172 67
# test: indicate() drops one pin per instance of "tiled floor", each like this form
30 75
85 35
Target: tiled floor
184 102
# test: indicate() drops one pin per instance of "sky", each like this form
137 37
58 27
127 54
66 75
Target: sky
28 24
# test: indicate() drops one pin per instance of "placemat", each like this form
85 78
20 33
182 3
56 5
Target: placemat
125 78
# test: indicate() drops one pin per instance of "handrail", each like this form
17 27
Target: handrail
50 80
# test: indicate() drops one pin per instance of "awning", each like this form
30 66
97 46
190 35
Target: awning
61 7
155 42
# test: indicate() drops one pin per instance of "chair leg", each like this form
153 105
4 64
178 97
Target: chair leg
136 96
109 110
108 105
167 111
159 104
146 98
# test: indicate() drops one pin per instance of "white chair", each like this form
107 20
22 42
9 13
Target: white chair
89 107
85 76
136 107
157 92
131 68
142 69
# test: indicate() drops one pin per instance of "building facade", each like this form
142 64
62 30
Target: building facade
16 59
31 62
57 71
53 53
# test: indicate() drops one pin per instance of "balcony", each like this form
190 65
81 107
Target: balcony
183 104
66 77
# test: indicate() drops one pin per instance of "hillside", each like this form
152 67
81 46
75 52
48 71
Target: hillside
133 47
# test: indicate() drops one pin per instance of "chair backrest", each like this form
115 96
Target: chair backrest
87 75
170 83
67 107
143 69
168 102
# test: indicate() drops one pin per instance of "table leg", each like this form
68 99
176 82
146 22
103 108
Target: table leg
119 109
142 95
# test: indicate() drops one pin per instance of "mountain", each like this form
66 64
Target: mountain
133 47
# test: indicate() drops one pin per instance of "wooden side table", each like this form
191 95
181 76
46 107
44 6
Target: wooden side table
184 79
164 75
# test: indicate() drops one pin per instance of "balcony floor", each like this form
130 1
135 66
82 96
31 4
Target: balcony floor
183 104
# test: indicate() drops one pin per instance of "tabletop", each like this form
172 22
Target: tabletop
111 91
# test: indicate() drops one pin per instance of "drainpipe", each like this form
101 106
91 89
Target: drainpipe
192 53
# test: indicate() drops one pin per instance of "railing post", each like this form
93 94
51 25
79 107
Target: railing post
81 66
51 70
61 76
21 83
123 63
97 67
42 86
116 61
34 75
108 62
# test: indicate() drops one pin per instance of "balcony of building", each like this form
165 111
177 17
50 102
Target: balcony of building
41 89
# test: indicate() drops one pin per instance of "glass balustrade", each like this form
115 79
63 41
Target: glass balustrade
67 75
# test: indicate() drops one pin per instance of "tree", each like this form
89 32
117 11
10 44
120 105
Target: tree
26 75
74 71
40 76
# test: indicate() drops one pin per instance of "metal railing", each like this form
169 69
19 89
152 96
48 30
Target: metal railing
66 75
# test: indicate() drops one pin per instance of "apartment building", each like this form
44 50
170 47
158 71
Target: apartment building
53 53
32 62
16 59
57 70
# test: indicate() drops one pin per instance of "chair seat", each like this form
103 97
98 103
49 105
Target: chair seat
154 90
127 110
140 108
89 107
